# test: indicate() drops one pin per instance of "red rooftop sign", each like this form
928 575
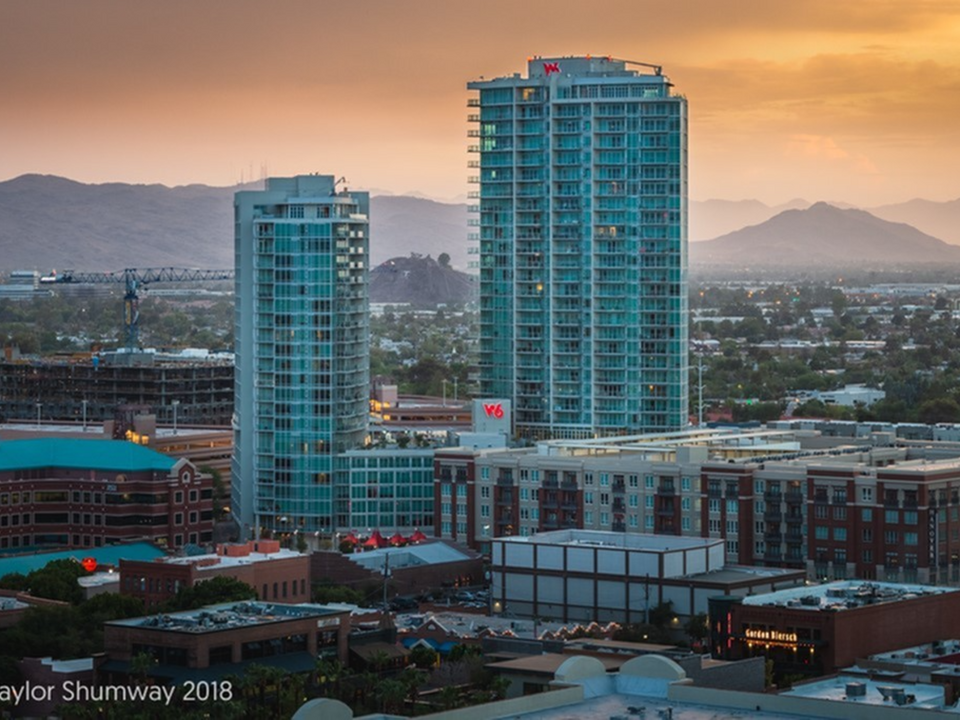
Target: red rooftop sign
493 410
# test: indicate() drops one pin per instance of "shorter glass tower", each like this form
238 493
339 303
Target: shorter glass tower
583 247
302 349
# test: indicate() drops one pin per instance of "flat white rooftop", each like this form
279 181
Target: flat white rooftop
212 560
844 595
862 690
431 553
628 541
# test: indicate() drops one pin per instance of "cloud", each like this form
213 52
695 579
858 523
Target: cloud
815 146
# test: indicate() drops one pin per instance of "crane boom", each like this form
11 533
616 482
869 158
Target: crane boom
132 279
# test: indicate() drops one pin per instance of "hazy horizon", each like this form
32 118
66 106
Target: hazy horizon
853 103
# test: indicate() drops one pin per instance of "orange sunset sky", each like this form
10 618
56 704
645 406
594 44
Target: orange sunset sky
855 101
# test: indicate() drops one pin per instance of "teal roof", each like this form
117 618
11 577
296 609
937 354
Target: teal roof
115 455
109 555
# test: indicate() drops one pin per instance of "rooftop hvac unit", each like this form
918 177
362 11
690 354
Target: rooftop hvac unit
856 690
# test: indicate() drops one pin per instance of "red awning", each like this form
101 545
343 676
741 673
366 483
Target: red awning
376 540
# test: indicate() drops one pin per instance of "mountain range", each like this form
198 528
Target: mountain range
48 222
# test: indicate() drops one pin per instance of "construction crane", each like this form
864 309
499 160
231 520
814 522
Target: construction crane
132 280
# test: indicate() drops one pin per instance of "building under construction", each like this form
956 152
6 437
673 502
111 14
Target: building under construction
176 389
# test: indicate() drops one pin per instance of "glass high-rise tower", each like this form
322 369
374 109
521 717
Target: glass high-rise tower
302 349
583 247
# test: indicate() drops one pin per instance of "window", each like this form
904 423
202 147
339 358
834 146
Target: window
890 537
910 538
485 511
485 492
648 522
821 532
648 502
866 494
909 517
634 501
685 523
891 516
685 484
648 482
732 507
685 503
840 534
866 514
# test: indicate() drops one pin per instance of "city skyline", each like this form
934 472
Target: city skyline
852 103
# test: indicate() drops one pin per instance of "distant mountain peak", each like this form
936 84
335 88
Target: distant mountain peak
825 235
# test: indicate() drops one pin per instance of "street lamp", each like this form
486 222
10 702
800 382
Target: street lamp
39 407
176 404
84 403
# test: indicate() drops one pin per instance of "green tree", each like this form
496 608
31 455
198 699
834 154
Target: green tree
424 657
939 410
210 592
696 627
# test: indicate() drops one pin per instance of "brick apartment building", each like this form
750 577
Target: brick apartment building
836 507
64 492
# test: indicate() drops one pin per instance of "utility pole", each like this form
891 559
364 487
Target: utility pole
386 575
646 599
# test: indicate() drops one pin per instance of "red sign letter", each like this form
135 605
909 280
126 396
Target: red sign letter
493 410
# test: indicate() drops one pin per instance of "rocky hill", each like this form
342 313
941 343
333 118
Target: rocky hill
420 281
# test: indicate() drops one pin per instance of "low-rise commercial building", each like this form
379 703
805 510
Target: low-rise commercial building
581 575
222 639
276 574
817 630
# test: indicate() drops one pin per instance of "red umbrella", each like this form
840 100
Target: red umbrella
397 539
417 536
350 538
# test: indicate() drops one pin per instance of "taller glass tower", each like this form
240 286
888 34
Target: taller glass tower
583 247
302 350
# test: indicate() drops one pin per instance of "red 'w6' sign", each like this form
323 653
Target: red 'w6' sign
493 409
